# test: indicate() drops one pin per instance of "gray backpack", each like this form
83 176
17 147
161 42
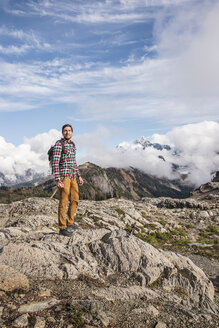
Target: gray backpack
50 151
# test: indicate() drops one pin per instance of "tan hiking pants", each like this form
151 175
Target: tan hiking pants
68 193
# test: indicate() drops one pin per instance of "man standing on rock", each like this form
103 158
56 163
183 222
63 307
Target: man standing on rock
65 171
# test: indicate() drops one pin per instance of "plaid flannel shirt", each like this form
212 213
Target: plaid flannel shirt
64 161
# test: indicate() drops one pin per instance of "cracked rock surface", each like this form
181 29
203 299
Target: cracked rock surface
136 254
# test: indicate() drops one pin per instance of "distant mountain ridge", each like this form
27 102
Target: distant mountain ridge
29 175
129 183
102 184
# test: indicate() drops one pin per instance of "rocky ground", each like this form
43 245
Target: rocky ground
146 263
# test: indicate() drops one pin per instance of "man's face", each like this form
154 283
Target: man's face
67 132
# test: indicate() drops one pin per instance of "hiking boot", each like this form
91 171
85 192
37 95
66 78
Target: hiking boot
66 232
74 226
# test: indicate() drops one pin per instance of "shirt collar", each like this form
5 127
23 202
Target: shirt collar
67 141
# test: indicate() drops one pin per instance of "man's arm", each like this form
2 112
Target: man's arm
81 182
57 151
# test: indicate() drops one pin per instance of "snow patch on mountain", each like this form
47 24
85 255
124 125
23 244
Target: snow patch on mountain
140 143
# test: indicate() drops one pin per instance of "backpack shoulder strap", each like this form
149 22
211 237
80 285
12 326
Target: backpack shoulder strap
63 144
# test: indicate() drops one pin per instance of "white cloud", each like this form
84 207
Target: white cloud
178 86
198 148
196 144
134 90
95 12
194 70
14 50
12 106
18 34
32 154
30 41
16 160
42 142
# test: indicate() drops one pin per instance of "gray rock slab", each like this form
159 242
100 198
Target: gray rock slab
124 293
101 252
38 253
31 260
37 306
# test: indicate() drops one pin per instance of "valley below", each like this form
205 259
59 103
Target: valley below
102 183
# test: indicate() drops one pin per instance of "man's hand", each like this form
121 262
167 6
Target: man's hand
60 184
81 181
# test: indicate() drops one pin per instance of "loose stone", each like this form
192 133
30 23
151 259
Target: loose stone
38 306
21 321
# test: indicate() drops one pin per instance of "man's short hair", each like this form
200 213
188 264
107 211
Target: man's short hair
69 125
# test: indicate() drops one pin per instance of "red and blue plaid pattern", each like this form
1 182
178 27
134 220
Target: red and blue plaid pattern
64 161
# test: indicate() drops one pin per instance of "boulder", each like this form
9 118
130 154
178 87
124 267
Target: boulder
11 279
100 253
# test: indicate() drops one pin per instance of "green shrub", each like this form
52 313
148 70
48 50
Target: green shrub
178 231
149 238
76 318
182 241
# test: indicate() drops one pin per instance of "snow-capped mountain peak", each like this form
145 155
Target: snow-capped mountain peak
143 143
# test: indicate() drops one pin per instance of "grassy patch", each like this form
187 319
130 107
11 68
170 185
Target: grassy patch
150 226
95 219
76 318
149 238
85 225
158 282
182 292
120 211
78 217
101 225
178 231
143 214
162 221
128 228
158 238
113 223
209 236
211 252
212 229
182 241
187 225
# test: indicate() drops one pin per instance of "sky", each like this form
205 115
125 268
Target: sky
115 69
